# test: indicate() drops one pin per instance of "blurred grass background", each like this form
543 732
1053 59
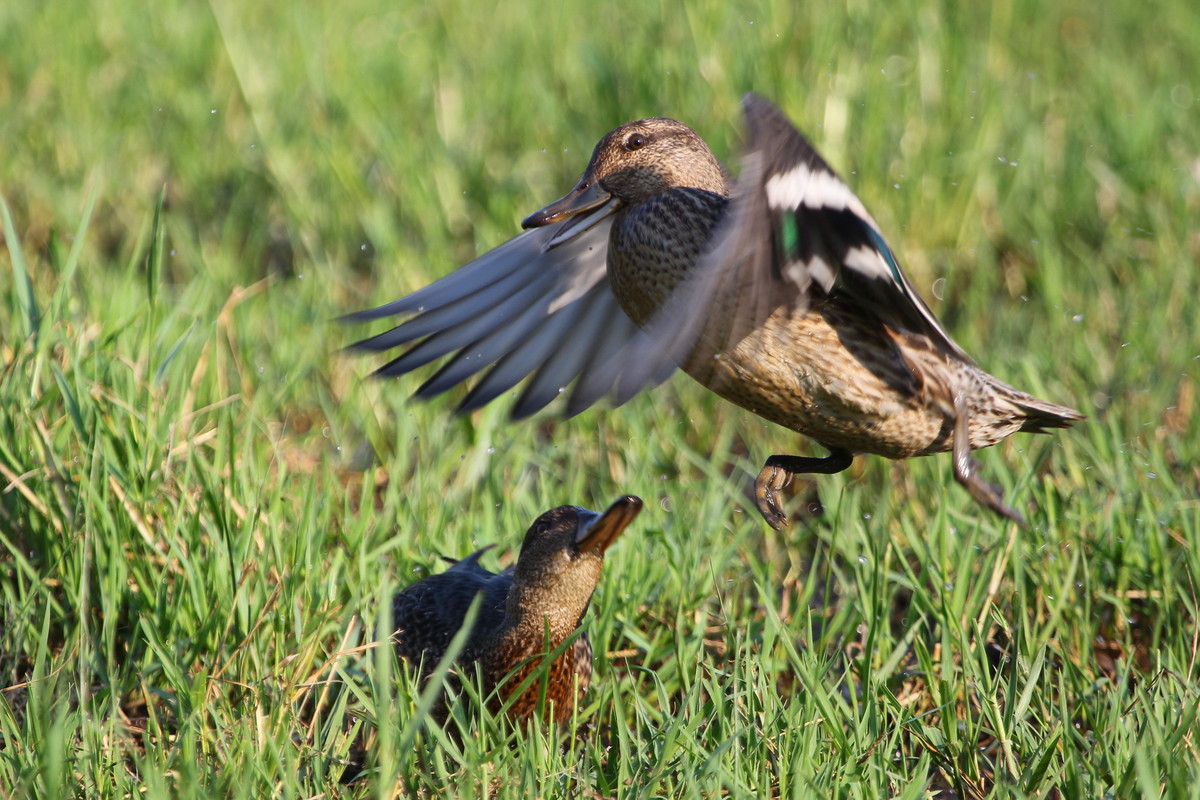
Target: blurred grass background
204 505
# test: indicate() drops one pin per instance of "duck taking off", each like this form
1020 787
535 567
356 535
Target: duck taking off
779 293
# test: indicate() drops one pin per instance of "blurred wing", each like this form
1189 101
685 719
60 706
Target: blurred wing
811 234
538 305
794 232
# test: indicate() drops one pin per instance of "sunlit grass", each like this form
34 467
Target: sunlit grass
205 505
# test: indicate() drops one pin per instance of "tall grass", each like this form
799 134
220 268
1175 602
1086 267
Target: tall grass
205 505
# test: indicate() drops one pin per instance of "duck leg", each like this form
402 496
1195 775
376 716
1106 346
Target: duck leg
778 472
966 468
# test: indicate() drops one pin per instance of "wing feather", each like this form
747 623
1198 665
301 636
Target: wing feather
540 306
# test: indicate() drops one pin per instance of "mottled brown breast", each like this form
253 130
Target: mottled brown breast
846 384
563 685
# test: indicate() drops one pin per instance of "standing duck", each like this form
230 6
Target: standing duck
547 591
779 293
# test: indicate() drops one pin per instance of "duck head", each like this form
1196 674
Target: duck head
632 163
560 563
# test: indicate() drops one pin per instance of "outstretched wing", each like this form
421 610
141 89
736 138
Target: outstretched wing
540 305
793 234
534 306
810 234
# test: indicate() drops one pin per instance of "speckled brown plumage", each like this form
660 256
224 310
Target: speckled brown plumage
546 592
778 293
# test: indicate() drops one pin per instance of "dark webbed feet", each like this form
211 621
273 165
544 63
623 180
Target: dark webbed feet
777 474
966 469
779 470
987 494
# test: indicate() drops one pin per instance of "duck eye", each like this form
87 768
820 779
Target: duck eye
635 142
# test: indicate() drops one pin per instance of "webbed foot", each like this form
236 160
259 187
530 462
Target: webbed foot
777 474
966 469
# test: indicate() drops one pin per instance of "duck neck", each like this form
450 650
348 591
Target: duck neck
655 244
529 625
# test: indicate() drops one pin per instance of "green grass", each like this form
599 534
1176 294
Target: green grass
205 505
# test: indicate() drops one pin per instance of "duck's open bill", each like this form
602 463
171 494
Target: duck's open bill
584 197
